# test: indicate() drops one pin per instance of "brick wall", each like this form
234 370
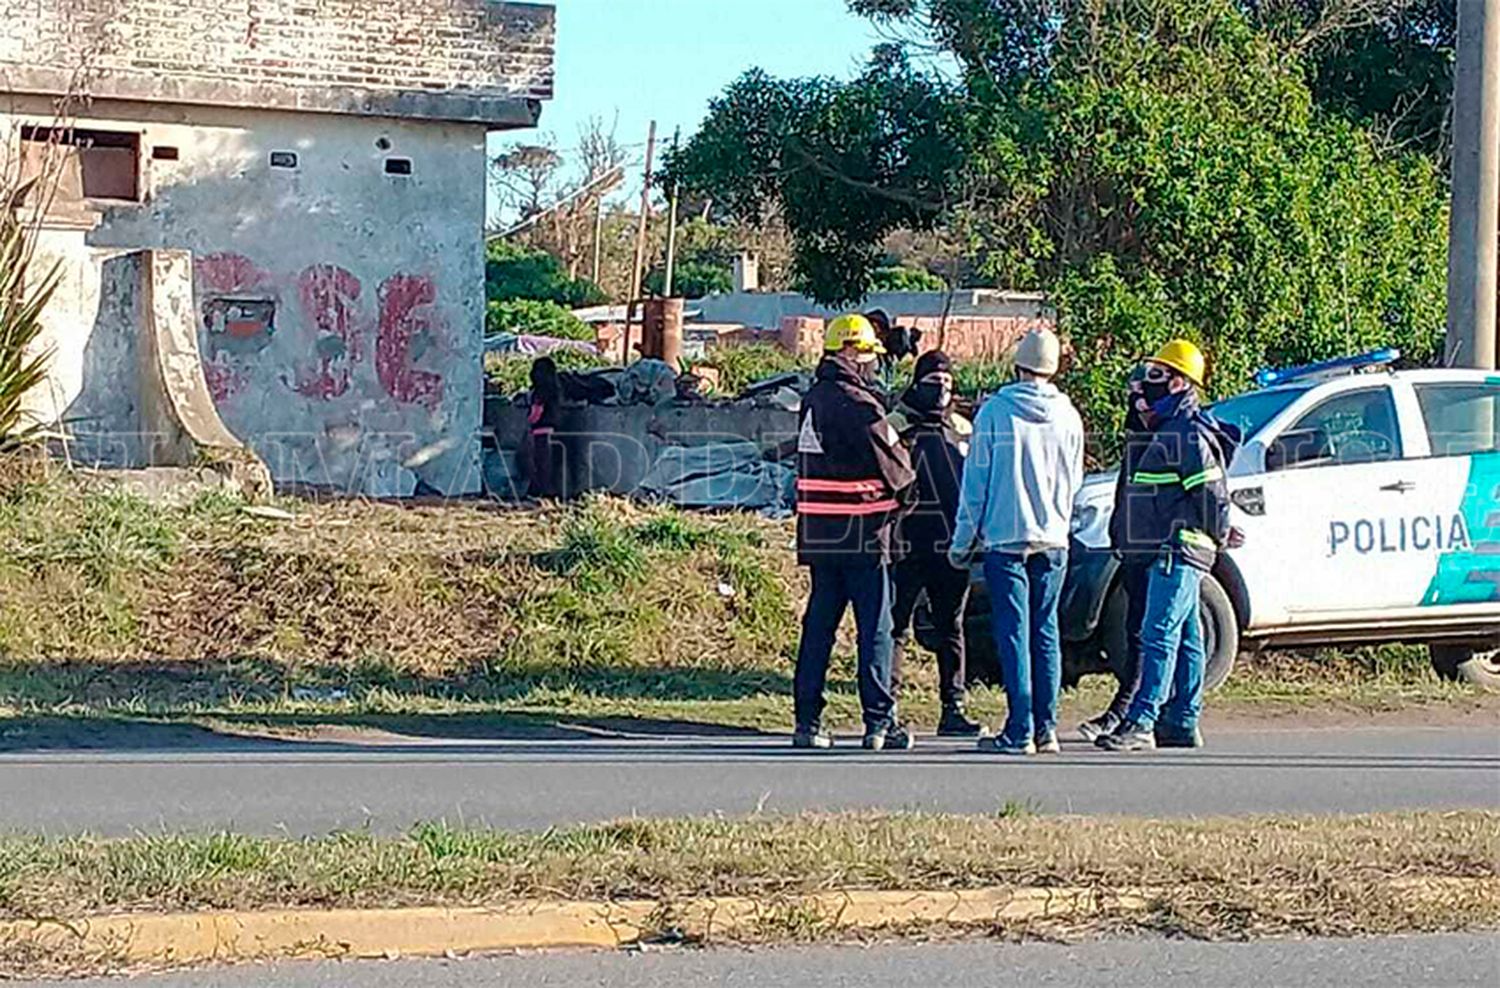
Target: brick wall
460 59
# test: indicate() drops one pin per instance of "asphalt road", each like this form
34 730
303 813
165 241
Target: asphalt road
313 789
1417 962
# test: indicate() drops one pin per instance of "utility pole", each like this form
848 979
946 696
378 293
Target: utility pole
636 274
598 236
672 227
1474 245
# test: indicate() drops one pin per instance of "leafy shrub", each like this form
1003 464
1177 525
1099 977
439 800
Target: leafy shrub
902 279
741 366
535 318
510 374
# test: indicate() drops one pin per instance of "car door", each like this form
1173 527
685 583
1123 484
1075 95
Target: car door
1457 485
1323 542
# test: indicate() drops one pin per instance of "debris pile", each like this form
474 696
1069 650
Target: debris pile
720 466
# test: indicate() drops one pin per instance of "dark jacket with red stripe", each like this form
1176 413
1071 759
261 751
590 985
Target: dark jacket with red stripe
853 474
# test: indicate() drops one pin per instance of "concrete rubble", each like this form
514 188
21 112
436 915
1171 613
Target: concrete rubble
648 433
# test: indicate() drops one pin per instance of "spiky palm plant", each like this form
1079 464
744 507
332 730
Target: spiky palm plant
22 365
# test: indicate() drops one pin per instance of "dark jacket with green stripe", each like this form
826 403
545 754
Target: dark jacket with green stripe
1177 499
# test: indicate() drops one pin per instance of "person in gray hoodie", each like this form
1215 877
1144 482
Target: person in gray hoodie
1016 509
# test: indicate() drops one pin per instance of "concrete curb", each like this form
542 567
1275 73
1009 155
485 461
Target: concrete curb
225 937
146 940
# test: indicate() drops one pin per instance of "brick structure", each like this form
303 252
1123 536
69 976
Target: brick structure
321 166
470 60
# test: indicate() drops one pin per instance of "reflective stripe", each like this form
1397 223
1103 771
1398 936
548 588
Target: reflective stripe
1199 479
841 486
1200 540
1154 479
848 510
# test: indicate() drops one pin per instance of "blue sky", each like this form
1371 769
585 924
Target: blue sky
665 59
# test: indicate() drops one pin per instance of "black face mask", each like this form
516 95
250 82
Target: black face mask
928 398
1155 391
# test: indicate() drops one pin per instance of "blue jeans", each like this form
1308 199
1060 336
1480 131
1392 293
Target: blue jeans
1024 594
834 589
1171 649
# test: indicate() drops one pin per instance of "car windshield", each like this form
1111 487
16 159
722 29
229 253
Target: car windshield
1250 412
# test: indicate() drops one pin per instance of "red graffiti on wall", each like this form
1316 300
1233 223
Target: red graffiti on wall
409 327
329 296
224 381
227 272
218 275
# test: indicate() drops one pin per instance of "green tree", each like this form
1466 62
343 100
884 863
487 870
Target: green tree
1384 63
692 279
842 165
513 272
1159 167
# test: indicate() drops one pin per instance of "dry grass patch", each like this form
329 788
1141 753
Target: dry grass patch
1217 878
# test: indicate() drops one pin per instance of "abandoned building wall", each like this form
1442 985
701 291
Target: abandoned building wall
339 286
90 329
474 60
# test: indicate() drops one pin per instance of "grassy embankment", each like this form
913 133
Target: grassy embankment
604 615
1217 879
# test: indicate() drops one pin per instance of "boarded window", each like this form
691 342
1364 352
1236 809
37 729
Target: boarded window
85 164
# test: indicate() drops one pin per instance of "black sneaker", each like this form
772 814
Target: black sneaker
893 738
1129 736
1092 730
812 739
956 724
1176 737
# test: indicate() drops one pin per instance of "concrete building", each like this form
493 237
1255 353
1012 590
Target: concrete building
295 190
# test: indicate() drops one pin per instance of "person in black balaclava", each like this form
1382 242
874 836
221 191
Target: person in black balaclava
1135 561
939 440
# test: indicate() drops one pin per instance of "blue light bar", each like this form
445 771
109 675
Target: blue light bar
1328 368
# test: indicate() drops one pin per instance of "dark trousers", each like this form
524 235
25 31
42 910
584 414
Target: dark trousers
543 476
834 589
947 591
1135 576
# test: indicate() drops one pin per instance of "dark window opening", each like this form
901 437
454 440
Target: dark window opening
398 166
85 164
163 153
283 159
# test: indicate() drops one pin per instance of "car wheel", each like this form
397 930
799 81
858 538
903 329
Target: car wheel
1221 632
1467 664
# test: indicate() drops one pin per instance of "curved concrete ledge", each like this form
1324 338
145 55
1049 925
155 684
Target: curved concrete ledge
230 937
116 942
177 408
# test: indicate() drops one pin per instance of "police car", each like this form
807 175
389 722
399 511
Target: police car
1370 501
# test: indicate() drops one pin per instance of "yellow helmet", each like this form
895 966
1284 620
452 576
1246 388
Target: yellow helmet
1184 358
852 329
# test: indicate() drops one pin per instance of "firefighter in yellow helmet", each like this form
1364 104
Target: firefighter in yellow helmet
1176 505
853 475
